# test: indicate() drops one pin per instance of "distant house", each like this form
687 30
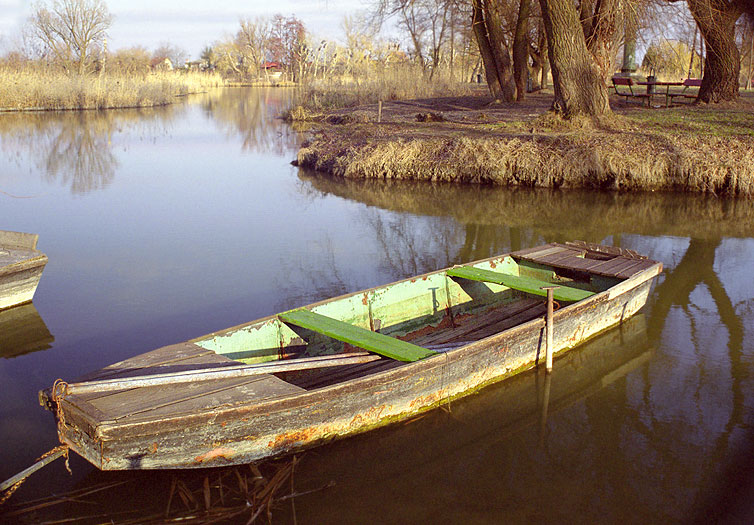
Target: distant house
272 70
197 65
161 64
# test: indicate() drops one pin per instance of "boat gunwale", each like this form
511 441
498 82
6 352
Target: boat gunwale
399 373
38 259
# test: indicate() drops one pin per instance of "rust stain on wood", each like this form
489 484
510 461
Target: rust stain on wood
287 439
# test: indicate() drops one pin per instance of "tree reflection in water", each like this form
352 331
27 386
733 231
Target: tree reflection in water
253 114
75 148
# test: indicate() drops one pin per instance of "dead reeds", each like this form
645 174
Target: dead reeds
403 82
38 88
239 494
624 156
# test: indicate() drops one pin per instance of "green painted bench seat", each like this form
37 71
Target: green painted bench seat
372 341
523 284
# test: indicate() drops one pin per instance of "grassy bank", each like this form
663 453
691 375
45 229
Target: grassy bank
681 148
42 89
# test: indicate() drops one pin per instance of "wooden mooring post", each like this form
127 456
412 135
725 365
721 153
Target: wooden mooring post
548 326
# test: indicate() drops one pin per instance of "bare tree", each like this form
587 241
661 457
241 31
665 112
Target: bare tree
521 49
540 68
253 39
132 60
493 45
287 45
70 29
428 24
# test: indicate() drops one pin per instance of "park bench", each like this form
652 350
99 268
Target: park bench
686 93
627 82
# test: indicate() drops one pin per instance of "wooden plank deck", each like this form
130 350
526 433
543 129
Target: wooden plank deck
148 403
606 261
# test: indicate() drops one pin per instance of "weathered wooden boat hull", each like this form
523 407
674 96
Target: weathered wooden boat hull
242 432
21 266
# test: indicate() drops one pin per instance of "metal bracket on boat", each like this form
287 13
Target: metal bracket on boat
548 325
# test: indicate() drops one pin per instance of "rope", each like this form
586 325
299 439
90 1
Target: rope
11 485
59 389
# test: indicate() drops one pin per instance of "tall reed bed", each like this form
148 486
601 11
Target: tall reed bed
41 88
401 82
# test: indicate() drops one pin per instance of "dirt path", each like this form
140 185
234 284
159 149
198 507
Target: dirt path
479 108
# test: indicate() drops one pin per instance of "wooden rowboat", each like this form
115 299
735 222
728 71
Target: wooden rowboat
297 379
21 266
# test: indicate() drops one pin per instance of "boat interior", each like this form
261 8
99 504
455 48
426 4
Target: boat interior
397 323
435 312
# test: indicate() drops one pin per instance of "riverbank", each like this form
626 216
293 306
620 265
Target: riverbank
38 89
470 140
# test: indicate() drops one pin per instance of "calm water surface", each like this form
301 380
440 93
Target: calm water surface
163 225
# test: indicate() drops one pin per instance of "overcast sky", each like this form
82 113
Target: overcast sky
191 24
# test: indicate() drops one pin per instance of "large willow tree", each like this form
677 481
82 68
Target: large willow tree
580 41
717 23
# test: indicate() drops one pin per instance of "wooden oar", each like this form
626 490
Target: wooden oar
206 374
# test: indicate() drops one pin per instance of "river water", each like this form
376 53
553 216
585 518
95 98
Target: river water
162 225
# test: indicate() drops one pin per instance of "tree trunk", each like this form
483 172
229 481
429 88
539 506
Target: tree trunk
521 49
544 81
578 78
717 23
544 55
492 48
536 73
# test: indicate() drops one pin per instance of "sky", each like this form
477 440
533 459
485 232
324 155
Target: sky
191 24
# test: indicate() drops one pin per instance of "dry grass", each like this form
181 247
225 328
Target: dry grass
240 494
42 89
398 83
606 159
708 149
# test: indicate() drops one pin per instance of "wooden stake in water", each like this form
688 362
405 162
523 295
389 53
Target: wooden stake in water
548 326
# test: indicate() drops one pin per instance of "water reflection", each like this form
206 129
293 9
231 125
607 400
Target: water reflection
556 215
74 148
253 114
78 149
22 331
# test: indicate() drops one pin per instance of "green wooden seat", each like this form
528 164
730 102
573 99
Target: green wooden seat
357 336
523 284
